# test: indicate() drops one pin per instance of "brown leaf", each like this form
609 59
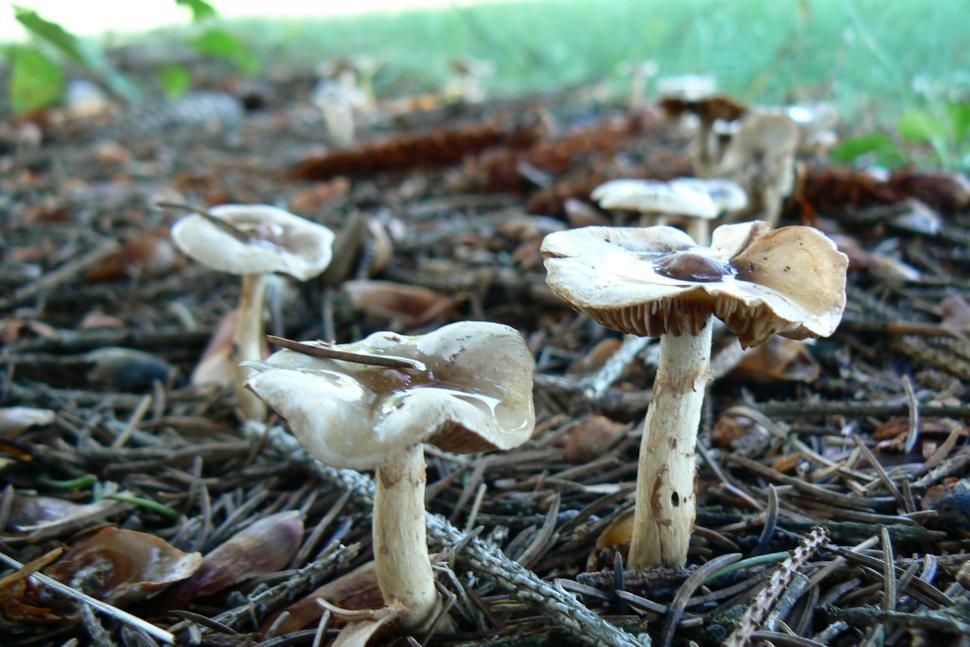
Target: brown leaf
216 366
355 590
319 195
779 360
128 565
592 438
412 304
149 254
263 547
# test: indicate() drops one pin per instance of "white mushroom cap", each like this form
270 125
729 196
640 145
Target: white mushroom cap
476 395
688 86
762 151
652 281
655 196
280 241
727 195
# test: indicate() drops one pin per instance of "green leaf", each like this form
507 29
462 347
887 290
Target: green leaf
35 80
223 44
175 80
959 116
200 9
52 33
849 150
920 127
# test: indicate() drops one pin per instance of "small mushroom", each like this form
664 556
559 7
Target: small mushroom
256 240
656 281
760 157
709 110
466 387
698 200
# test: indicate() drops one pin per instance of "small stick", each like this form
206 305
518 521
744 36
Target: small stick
227 227
61 274
114 612
327 352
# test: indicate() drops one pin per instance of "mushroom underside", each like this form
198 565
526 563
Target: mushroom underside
688 313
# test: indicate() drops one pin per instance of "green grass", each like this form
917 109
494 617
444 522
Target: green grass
864 55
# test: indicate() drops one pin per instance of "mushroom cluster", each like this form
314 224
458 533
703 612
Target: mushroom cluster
254 241
466 387
656 281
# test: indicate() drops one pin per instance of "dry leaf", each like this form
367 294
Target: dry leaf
355 590
592 438
360 632
128 565
16 420
779 360
412 304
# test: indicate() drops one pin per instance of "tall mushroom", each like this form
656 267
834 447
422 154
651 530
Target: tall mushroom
254 241
761 157
466 387
656 281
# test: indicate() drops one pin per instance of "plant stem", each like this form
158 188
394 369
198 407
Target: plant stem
666 504
249 342
400 540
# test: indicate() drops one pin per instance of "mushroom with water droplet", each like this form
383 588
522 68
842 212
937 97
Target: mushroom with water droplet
466 387
655 281
254 241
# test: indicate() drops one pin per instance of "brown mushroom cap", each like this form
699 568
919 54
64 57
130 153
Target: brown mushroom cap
279 241
717 106
476 395
653 281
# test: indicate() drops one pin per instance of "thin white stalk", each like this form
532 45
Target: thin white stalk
665 503
700 230
249 342
400 538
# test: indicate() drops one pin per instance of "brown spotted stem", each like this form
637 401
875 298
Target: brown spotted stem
665 503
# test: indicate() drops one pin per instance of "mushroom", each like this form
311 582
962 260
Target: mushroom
466 387
761 157
655 281
709 109
254 241
698 200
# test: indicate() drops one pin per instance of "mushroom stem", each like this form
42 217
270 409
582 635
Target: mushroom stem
665 502
400 542
249 342
700 230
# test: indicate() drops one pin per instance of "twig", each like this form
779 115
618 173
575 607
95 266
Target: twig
328 352
334 558
224 225
613 368
563 609
61 274
780 579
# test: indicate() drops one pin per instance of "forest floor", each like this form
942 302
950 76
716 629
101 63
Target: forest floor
439 216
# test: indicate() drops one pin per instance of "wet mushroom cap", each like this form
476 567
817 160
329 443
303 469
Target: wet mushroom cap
652 281
654 196
279 241
475 396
